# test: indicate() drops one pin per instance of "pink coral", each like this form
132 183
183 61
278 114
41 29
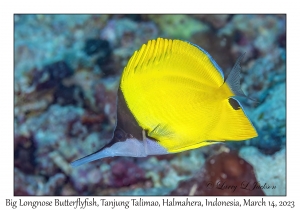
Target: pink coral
222 174
125 173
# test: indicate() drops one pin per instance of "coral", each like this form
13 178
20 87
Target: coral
68 190
268 169
66 75
166 171
263 74
30 104
50 131
145 191
124 173
127 34
270 118
216 21
108 66
37 185
94 46
60 162
68 95
178 26
25 184
82 84
51 75
47 39
258 38
263 29
86 179
218 46
106 99
222 174
50 127
45 87
41 39
24 153
52 187
93 121
102 50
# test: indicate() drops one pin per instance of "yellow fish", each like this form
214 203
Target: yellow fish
173 97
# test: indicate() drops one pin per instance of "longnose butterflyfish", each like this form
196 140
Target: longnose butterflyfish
173 97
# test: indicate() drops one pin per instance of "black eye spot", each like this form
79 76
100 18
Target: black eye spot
234 104
119 135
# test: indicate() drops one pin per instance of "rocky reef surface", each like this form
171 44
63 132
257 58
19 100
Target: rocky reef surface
66 75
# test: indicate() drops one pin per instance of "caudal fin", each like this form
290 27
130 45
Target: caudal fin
234 77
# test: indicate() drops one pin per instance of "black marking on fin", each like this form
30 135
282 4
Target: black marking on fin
120 135
125 119
126 127
234 103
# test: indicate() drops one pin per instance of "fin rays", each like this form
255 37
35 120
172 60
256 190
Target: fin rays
176 92
234 77
174 57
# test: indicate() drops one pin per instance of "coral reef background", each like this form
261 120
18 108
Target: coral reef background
66 74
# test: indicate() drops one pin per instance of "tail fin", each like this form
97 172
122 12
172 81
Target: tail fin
234 77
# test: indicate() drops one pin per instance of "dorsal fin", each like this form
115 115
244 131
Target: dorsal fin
210 58
174 57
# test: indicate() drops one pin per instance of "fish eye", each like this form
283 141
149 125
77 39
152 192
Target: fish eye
119 135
